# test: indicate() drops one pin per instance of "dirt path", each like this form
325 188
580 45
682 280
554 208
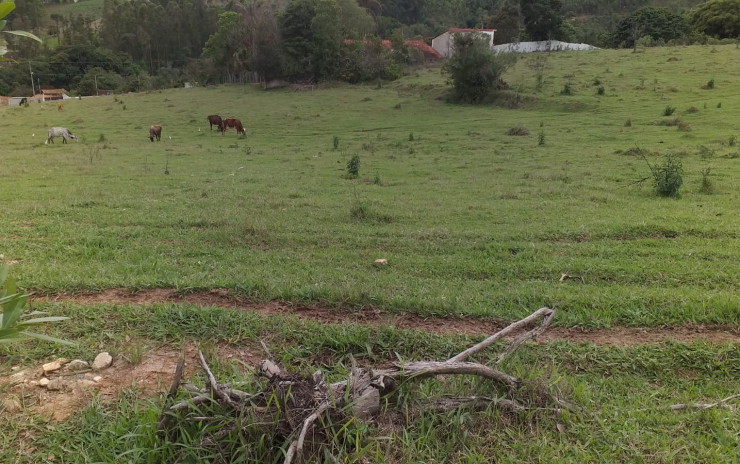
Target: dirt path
622 336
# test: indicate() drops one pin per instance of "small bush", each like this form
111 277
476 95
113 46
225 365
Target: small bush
518 131
411 137
102 138
335 142
567 90
668 177
732 141
600 90
353 167
541 139
628 122
377 180
709 85
706 182
359 211
705 152
669 110
719 105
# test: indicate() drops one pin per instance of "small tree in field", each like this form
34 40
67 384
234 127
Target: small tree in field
474 69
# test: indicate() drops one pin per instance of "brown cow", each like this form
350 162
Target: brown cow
155 131
60 107
215 120
231 122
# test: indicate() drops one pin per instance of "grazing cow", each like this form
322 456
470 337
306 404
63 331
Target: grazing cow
62 132
231 122
215 120
155 131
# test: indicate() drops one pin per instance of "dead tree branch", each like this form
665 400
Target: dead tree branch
500 334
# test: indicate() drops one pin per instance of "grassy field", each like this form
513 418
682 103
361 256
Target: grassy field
471 220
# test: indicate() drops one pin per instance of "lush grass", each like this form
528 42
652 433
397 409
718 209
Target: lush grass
472 221
625 393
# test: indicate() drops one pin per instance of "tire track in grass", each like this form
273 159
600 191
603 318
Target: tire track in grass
618 336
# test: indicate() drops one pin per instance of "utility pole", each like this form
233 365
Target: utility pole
96 85
29 70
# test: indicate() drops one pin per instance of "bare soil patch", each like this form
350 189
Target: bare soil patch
149 377
621 336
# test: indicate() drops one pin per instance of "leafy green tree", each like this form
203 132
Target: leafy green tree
297 38
542 19
223 45
474 69
658 23
717 18
327 39
97 78
355 22
311 52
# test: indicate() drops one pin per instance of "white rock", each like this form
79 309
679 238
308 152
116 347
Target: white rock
97 378
11 405
23 376
102 361
78 365
44 382
55 384
54 365
381 261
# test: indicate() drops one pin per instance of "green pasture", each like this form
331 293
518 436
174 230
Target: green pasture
471 220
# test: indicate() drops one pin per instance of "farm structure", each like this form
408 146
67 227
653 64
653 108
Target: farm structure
428 52
444 43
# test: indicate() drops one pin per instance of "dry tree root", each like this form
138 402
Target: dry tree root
300 406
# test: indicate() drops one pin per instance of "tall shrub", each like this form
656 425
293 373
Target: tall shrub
474 69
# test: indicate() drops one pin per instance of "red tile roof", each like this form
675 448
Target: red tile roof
469 30
426 49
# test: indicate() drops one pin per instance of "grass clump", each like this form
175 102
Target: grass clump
709 85
335 142
518 131
567 90
600 90
669 110
670 122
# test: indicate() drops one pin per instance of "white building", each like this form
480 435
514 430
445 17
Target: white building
444 45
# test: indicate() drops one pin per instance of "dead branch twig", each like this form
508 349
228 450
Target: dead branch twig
721 403
165 419
500 334
531 335
214 385
297 451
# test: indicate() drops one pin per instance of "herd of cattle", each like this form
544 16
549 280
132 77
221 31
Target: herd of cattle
155 132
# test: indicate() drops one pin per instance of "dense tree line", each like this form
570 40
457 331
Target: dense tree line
137 44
